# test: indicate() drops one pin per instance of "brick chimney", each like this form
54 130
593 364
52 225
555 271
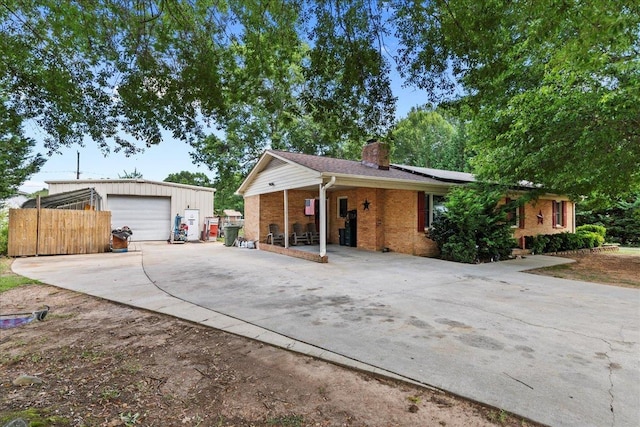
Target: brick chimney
375 154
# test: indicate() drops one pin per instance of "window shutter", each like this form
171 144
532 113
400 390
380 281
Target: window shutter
521 216
421 206
554 213
509 212
564 214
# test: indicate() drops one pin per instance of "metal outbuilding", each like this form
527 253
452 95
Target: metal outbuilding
148 207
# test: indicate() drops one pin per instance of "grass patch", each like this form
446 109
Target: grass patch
35 418
287 421
618 268
10 280
499 417
568 271
629 251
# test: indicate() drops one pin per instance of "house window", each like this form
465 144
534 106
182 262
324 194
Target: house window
430 208
559 214
437 207
342 207
515 214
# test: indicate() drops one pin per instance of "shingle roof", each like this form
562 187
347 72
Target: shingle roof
331 165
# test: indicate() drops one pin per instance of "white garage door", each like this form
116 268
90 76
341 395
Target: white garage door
148 217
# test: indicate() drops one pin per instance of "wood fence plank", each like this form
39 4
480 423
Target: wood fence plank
61 232
23 228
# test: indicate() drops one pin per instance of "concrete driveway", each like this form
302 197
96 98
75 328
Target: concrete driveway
559 352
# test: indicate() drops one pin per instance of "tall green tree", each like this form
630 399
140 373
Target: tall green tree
620 217
555 86
135 174
121 71
190 178
426 138
17 160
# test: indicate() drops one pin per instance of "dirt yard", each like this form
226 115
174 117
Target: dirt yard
105 364
609 268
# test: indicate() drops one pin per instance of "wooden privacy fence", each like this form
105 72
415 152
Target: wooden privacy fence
58 232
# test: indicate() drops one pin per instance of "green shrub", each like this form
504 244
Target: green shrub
560 242
555 243
592 228
4 232
473 227
460 249
620 217
572 241
539 244
592 239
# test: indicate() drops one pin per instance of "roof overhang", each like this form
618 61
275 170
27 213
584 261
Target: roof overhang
353 181
261 165
133 180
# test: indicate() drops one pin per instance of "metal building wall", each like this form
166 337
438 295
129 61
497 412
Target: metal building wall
182 196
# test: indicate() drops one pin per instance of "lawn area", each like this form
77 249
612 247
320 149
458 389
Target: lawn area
629 251
8 279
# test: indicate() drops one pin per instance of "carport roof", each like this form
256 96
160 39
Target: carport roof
76 199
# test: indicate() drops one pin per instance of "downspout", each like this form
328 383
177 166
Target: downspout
323 215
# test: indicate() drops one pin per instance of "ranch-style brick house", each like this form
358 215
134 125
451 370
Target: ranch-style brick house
370 204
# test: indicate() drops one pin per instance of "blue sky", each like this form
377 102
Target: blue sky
155 163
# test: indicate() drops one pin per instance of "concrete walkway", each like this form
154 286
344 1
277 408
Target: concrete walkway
557 351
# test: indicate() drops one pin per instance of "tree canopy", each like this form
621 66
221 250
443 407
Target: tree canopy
17 160
190 178
426 138
553 87
121 71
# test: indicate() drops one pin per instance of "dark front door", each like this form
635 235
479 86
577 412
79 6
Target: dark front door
351 229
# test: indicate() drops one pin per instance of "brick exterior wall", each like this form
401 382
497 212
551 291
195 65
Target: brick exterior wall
533 227
293 252
252 217
402 233
389 222
270 209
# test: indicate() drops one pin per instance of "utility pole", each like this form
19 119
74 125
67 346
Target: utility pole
78 166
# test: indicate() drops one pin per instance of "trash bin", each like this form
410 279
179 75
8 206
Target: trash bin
342 236
120 239
230 234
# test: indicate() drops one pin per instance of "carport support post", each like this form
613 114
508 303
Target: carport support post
286 218
323 215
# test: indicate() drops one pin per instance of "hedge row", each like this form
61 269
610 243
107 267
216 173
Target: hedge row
586 236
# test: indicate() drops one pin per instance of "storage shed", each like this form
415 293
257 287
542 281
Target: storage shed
148 207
